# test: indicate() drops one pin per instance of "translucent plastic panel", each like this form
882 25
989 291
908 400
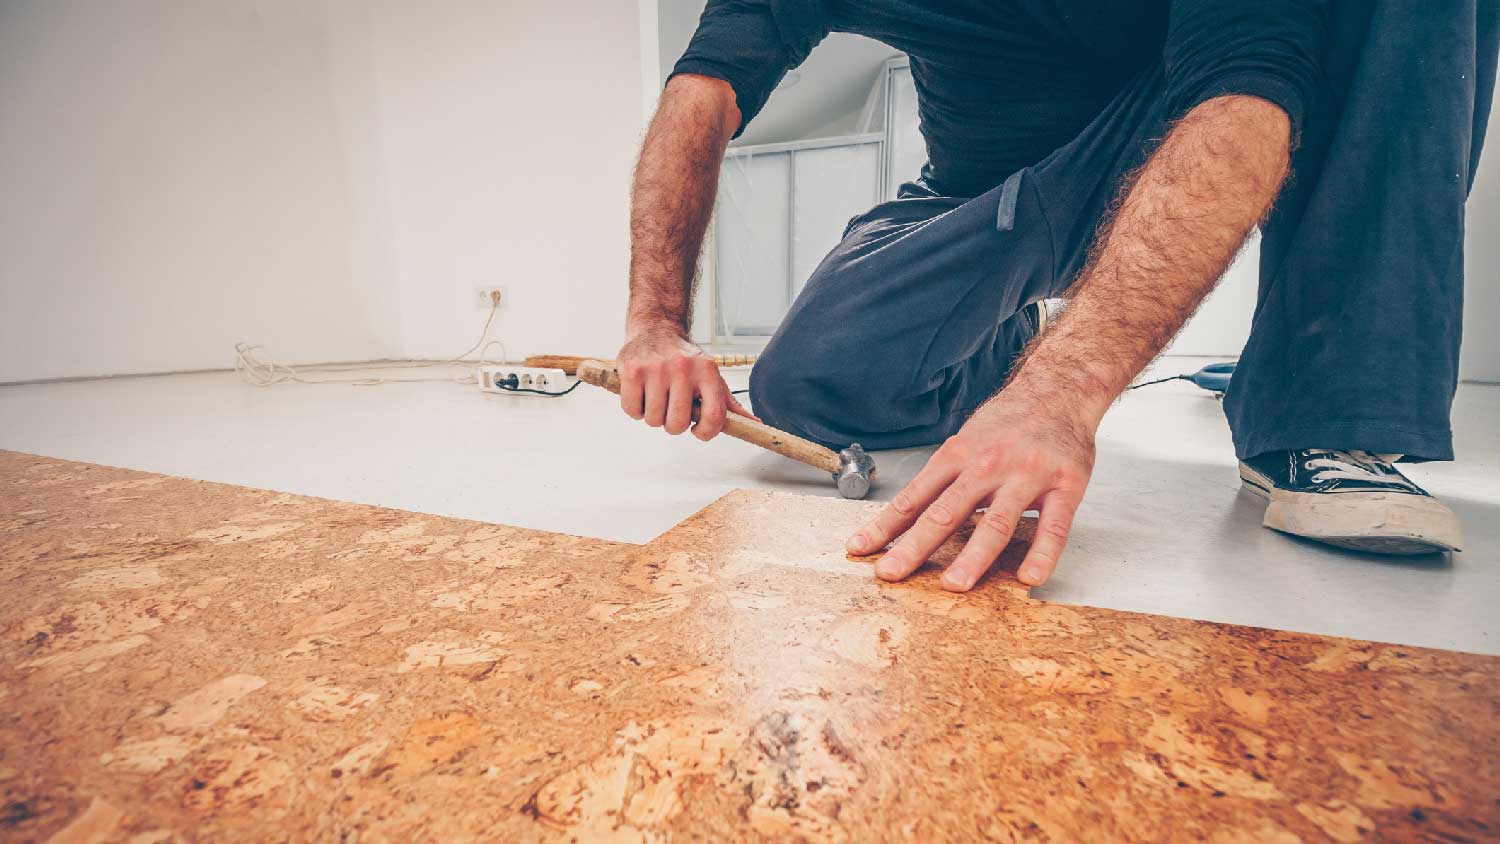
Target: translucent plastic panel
831 185
754 248
908 152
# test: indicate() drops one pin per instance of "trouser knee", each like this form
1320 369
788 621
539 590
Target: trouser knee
828 399
780 393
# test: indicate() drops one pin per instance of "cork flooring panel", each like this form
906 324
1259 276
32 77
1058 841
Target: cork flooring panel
190 661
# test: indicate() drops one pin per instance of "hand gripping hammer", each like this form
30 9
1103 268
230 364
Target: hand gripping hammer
852 469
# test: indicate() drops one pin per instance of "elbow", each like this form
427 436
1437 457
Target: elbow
706 95
1250 135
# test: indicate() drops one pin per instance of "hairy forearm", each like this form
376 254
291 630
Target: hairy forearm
1180 222
672 199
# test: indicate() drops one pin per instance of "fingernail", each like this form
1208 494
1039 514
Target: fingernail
956 583
888 567
1032 575
857 543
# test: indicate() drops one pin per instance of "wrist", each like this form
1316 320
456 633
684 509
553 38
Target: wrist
1076 400
652 325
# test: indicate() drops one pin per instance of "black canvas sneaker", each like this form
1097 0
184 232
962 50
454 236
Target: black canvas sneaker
1353 499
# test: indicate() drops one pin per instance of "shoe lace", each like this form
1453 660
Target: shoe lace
1355 466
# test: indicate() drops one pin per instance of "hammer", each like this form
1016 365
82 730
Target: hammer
852 469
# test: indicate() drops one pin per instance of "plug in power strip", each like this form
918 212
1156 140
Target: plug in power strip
526 378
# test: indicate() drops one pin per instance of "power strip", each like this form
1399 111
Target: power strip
526 378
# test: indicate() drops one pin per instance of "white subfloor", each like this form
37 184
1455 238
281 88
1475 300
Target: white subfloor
1164 529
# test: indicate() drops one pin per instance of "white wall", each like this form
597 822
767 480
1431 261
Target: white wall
1481 352
509 131
181 175
332 178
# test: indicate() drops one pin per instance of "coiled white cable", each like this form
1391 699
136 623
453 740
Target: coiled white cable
255 366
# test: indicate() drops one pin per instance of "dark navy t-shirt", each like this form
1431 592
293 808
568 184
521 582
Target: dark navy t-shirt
1002 83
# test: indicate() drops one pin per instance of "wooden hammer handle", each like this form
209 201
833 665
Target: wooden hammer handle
569 363
735 425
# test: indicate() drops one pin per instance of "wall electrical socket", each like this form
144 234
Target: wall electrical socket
484 297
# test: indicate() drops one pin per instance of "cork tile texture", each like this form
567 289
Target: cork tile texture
186 661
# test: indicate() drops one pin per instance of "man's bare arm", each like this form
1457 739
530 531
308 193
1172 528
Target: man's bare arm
661 372
1180 223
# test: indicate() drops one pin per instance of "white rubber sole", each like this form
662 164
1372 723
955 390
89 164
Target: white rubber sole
1374 522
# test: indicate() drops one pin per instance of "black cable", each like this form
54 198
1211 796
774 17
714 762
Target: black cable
737 392
510 389
1157 381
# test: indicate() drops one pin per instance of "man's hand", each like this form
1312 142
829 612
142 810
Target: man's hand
1180 222
1013 455
662 375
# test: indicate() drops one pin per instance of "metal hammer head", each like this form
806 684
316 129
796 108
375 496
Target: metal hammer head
856 471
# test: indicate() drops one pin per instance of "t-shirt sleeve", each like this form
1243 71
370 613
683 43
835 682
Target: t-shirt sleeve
1270 49
751 44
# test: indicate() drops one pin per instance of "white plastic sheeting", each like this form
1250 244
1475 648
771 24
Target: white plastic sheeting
754 244
906 150
781 208
832 185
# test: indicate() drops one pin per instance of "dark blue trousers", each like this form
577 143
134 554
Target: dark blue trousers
912 321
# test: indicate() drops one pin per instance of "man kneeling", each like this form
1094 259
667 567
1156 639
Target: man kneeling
1117 155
